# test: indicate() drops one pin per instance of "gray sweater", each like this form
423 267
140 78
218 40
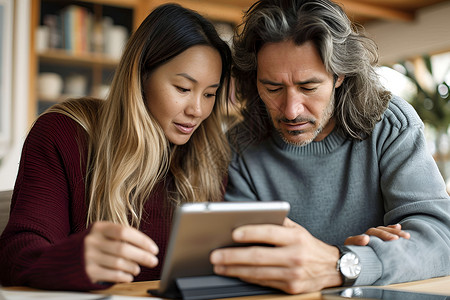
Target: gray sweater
340 187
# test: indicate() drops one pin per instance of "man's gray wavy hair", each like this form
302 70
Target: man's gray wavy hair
345 51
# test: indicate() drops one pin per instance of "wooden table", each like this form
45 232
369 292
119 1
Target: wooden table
440 285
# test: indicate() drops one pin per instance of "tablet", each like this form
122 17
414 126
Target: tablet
378 293
199 228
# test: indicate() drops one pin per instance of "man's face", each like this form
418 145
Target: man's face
297 90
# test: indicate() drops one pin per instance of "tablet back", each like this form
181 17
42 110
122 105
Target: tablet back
199 228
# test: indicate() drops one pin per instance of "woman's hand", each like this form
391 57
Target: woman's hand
389 233
114 253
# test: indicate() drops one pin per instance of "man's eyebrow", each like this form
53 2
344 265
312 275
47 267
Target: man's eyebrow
311 80
189 77
265 81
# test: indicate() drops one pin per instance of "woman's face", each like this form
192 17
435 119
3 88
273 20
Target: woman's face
181 93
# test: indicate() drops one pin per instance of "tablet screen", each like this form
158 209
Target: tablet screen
379 293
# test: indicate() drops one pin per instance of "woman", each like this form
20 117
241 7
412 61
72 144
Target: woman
98 180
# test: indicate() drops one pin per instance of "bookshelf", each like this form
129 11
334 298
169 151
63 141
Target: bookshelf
75 47
92 65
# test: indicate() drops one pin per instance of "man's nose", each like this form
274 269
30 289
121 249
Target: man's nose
293 104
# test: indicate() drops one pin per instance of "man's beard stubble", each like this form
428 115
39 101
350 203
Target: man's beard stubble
328 114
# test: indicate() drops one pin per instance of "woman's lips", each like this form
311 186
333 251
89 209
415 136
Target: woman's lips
185 128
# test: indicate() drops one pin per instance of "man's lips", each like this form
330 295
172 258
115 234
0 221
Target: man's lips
186 128
295 126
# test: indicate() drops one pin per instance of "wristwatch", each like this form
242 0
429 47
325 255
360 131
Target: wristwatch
348 265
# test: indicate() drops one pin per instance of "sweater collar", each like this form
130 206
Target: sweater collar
325 146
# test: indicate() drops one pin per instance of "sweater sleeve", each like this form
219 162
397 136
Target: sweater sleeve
415 196
41 247
239 187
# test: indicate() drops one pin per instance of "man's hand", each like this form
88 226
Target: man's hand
114 252
389 233
298 263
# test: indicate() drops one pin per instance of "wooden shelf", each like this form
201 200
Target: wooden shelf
57 56
122 3
98 68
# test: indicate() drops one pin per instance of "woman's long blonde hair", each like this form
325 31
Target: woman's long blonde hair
128 153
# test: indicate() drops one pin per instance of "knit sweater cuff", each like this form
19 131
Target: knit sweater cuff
372 268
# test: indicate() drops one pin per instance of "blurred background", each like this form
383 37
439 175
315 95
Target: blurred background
54 49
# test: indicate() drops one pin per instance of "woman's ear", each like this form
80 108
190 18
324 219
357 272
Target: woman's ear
339 81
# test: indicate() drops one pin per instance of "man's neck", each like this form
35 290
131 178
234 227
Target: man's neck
326 130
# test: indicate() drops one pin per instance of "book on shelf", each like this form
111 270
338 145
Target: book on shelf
77 27
76 30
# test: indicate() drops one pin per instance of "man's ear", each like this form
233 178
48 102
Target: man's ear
339 81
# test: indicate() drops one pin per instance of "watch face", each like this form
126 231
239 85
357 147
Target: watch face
350 266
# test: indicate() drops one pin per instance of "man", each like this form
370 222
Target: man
322 133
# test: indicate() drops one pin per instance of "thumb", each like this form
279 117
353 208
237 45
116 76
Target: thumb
289 223
357 240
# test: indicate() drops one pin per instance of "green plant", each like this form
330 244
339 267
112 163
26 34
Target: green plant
432 100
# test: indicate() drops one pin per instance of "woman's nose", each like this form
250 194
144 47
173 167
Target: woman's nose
194 107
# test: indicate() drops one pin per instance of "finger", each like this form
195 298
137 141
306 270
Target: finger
255 255
103 239
289 223
288 286
258 272
398 231
115 263
277 284
357 240
128 252
129 235
388 233
395 226
405 235
290 280
382 234
269 234
98 274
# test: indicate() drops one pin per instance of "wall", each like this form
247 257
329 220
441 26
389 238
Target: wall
429 33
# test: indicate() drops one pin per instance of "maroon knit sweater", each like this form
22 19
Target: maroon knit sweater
42 245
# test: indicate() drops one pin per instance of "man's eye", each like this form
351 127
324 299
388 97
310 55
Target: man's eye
182 90
308 89
273 90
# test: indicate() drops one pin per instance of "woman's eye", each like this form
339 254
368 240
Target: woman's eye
182 90
210 95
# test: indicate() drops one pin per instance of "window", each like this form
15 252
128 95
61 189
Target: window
6 13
